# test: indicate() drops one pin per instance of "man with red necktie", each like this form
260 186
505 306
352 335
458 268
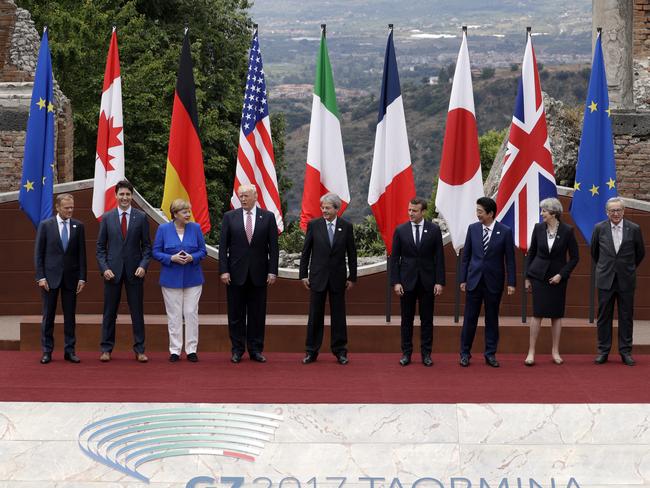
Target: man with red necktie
123 254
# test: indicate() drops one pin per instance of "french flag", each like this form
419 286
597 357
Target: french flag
460 181
391 180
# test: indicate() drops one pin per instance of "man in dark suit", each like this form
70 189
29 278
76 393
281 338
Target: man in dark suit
617 249
248 263
123 254
417 275
488 255
322 269
60 259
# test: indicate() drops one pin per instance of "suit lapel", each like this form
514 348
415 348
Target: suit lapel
258 223
54 224
609 237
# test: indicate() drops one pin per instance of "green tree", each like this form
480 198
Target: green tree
489 144
487 73
149 38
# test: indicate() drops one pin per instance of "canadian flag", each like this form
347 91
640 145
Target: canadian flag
109 158
460 183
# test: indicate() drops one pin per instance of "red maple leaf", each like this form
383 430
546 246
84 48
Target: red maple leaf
107 138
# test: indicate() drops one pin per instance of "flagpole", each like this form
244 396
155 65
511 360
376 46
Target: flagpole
592 277
388 290
457 291
524 293
389 296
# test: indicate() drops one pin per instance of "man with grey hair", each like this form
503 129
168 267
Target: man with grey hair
328 241
248 264
617 249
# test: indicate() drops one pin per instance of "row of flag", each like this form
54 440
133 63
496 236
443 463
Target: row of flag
527 175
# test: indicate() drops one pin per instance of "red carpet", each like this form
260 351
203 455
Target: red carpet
368 378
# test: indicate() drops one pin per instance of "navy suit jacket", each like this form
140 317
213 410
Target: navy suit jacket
609 263
409 262
52 262
491 265
117 254
167 243
241 259
325 263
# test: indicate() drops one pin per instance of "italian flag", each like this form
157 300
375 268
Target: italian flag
325 169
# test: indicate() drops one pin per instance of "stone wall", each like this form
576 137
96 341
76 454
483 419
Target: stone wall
19 44
641 50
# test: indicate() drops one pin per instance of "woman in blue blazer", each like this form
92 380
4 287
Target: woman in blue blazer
180 247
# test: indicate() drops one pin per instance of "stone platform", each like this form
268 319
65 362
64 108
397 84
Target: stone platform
286 333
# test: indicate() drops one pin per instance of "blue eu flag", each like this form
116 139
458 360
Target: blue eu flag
36 186
596 170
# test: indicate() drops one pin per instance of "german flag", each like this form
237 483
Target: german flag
185 177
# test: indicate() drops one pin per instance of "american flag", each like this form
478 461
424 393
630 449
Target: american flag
255 160
527 176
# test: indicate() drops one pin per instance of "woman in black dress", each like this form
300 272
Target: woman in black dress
552 256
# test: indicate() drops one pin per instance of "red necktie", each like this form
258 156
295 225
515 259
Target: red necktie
123 224
249 226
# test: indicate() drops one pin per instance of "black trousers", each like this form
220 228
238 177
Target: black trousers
246 317
135 298
316 323
425 300
68 304
625 303
473 301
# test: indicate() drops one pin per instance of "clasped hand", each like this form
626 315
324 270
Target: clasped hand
182 257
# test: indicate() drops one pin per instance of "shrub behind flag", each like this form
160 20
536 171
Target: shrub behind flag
391 181
185 176
460 182
596 170
109 157
37 182
325 169
527 176
255 159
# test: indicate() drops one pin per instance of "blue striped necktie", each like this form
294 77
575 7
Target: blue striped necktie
486 238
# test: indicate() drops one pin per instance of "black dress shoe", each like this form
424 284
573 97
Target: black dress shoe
342 359
601 359
46 357
405 360
309 358
192 357
491 361
236 357
628 360
174 358
258 357
72 357
464 361
427 361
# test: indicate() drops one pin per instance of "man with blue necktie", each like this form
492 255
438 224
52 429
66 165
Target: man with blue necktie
487 255
60 259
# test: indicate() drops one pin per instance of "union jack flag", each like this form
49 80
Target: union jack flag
527 176
255 159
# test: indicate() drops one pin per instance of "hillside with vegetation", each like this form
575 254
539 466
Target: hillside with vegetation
425 107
